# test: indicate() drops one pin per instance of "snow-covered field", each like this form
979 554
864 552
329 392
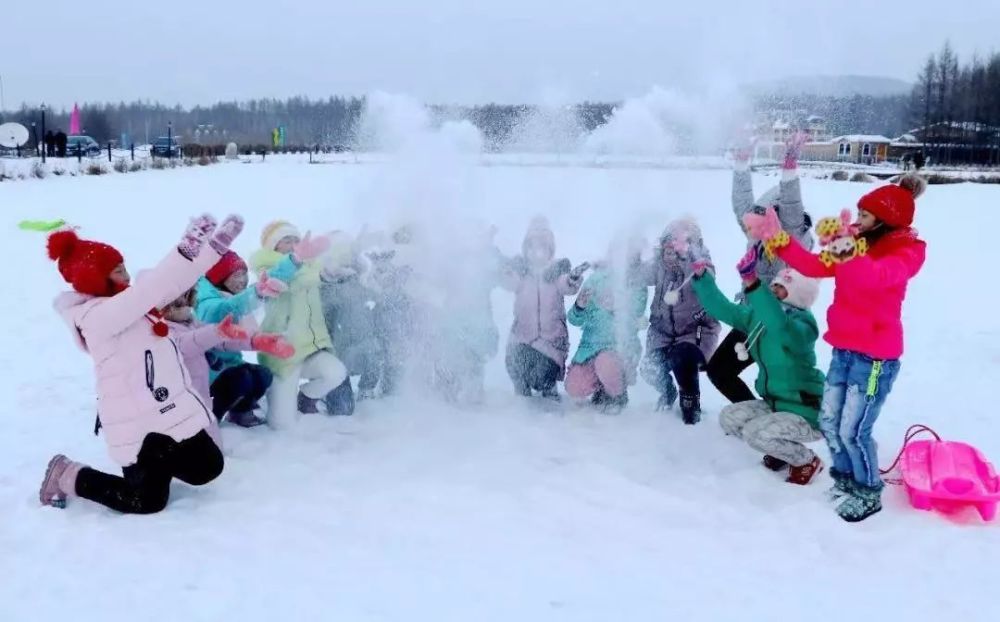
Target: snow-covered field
416 510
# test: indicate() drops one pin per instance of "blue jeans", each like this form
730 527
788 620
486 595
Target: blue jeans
856 388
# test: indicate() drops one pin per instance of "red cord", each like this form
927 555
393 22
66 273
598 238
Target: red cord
912 432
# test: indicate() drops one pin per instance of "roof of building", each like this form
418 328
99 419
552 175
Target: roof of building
862 138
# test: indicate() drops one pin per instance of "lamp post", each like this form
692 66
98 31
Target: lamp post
34 135
170 139
43 132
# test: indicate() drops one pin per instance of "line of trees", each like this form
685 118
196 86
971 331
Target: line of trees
956 105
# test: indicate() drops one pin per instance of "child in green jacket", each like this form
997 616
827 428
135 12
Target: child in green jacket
782 335
610 309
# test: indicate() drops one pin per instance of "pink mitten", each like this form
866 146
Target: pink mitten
226 233
744 152
793 149
270 287
763 227
310 248
700 266
275 345
747 267
229 329
198 230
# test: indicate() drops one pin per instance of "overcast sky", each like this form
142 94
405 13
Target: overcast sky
201 51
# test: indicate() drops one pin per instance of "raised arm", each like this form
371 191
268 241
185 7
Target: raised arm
742 191
894 269
797 257
197 341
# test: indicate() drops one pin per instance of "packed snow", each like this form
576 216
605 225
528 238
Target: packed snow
417 510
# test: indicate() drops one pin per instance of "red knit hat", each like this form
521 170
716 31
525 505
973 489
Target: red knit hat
891 204
229 264
84 264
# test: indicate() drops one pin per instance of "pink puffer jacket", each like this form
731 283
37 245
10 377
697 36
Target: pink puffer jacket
540 313
143 385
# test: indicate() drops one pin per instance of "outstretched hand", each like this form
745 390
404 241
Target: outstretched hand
197 232
793 149
230 228
310 248
269 287
763 227
747 266
272 344
229 329
700 266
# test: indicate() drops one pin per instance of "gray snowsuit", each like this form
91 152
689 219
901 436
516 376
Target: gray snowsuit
348 309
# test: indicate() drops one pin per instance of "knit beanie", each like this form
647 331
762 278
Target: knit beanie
895 205
229 264
275 232
84 264
539 232
802 291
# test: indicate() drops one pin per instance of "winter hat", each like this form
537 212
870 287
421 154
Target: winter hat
275 232
766 200
802 291
683 235
539 232
84 264
229 264
894 205
341 252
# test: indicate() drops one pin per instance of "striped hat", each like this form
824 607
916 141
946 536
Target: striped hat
275 232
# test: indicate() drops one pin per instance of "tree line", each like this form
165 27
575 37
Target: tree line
958 106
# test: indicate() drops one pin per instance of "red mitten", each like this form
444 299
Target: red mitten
229 329
275 345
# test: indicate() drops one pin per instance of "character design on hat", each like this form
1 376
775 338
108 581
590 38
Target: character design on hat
839 237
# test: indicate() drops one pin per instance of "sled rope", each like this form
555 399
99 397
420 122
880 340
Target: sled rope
911 433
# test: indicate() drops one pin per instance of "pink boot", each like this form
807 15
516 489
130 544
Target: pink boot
59 482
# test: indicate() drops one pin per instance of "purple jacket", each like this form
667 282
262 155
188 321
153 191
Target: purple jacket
194 340
540 312
685 321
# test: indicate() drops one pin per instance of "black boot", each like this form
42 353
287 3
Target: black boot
599 398
690 408
614 405
340 401
552 393
307 405
667 398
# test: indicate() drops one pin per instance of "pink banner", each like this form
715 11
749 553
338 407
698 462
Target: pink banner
74 121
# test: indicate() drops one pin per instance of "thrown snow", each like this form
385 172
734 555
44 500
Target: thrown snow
415 510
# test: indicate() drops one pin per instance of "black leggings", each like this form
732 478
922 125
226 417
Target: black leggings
144 487
725 367
531 370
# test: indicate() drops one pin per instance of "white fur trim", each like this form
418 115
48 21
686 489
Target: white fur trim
279 233
789 174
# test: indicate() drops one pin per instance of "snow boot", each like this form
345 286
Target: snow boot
340 401
308 405
245 419
366 394
843 485
804 474
774 464
59 482
551 394
690 408
614 405
667 398
860 503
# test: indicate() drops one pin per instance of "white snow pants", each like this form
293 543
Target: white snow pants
777 434
322 371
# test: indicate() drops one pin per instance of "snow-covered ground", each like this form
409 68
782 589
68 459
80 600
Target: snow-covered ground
416 510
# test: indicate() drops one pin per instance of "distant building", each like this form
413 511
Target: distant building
852 148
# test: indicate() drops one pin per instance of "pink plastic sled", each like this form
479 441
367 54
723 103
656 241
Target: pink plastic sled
947 476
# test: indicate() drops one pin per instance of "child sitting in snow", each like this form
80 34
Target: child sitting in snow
539 338
871 262
611 311
235 385
782 336
298 314
155 422
348 308
236 390
724 368
465 336
682 336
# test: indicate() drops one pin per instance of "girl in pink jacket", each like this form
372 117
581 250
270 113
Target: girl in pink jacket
195 340
154 419
871 262
539 339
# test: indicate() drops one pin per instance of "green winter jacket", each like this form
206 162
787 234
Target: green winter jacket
784 350
212 305
296 314
600 328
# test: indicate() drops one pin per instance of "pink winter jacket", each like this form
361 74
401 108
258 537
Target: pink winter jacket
540 313
194 340
143 385
866 314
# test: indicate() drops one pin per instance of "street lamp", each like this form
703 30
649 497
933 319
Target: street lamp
43 132
34 134
170 139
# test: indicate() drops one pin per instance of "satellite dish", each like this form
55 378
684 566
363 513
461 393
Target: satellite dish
13 135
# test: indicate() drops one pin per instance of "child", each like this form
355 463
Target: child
465 334
237 389
348 308
222 293
155 422
782 339
298 314
871 263
610 309
724 368
681 335
539 338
